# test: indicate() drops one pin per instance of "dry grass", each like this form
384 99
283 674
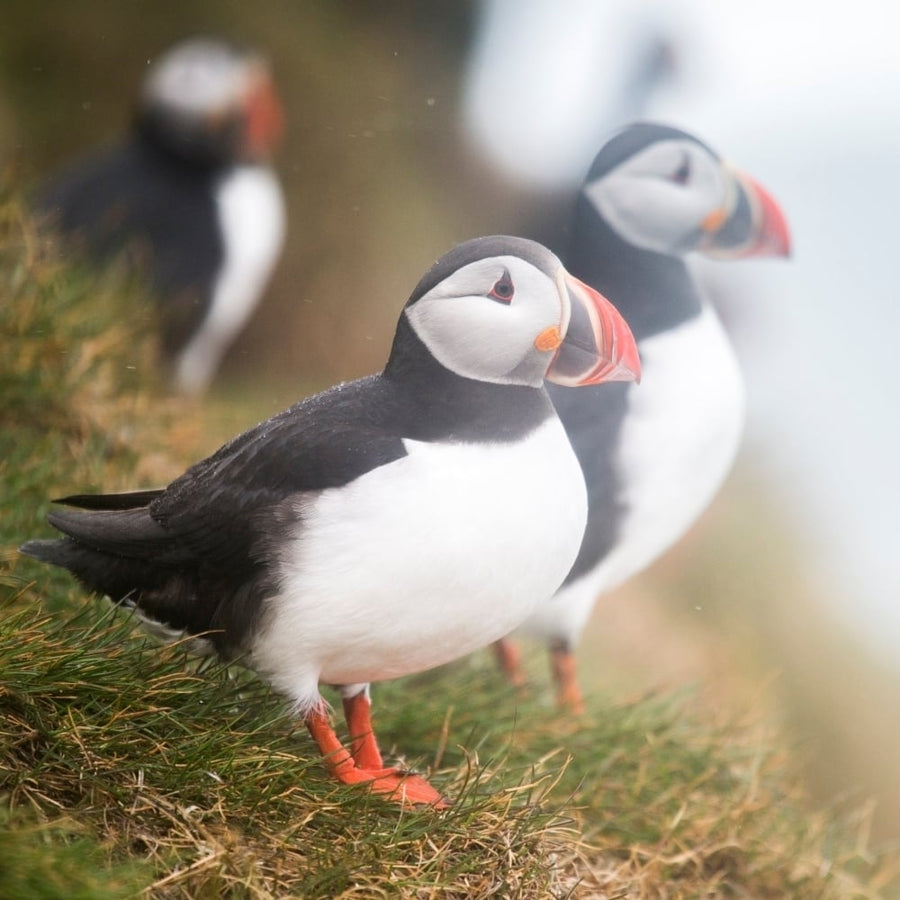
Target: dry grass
127 769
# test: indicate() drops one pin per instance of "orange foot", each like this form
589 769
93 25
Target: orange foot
362 764
403 787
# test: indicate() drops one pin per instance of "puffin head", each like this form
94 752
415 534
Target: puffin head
504 310
662 189
210 102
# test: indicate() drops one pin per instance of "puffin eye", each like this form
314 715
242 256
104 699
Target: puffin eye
683 173
503 290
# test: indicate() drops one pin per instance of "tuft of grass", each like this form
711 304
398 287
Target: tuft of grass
198 773
127 768
76 345
78 376
42 861
664 802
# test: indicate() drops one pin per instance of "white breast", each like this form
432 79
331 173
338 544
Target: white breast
252 220
422 561
680 436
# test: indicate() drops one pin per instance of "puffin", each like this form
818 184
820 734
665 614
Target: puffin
189 197
387 525
653 457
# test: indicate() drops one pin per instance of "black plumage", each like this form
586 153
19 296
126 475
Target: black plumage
141 198
186 198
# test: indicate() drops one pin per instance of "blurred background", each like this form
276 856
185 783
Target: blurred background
412 126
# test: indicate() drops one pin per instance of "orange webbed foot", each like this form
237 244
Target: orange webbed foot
362 764
403 787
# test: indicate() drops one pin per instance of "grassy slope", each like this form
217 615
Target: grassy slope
124 767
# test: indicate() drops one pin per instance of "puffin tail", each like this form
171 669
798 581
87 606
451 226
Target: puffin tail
112 552
91 568
56 553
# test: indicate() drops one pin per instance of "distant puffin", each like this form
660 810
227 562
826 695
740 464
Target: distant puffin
653 456
190 196
384 526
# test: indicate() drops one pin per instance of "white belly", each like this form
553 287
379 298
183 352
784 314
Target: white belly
252 220
422 561
680 436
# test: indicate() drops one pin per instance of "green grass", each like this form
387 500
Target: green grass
125 767
56 862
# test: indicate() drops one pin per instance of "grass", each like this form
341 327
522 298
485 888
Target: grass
128 769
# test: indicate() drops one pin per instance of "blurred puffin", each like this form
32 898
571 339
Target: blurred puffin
653 456
384 526
190 196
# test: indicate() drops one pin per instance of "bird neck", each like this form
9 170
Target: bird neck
653 291
195 147
439 404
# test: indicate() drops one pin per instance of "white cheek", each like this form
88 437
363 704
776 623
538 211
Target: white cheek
460 333
648 212
476 337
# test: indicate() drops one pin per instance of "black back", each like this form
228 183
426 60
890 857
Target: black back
158 206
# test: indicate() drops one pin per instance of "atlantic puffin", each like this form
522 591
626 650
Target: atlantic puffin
190 196
653 457
387 525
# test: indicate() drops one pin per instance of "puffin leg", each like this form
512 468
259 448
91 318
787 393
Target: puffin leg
510 660
363 746
410 790
565 676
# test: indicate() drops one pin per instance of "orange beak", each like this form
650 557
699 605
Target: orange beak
264 118
755 227
772 236
598 345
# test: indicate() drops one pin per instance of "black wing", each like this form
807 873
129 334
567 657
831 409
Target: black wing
198 555
123 500
593 417
325 441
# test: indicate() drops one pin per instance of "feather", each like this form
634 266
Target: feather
123 500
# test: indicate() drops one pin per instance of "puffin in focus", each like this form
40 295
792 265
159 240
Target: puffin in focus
653 456
387 525
190 197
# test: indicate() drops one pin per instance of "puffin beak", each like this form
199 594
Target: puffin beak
772 236
264 117
756 227
598 345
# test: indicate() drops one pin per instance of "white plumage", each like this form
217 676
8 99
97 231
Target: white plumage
679 440
251 215
450 520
